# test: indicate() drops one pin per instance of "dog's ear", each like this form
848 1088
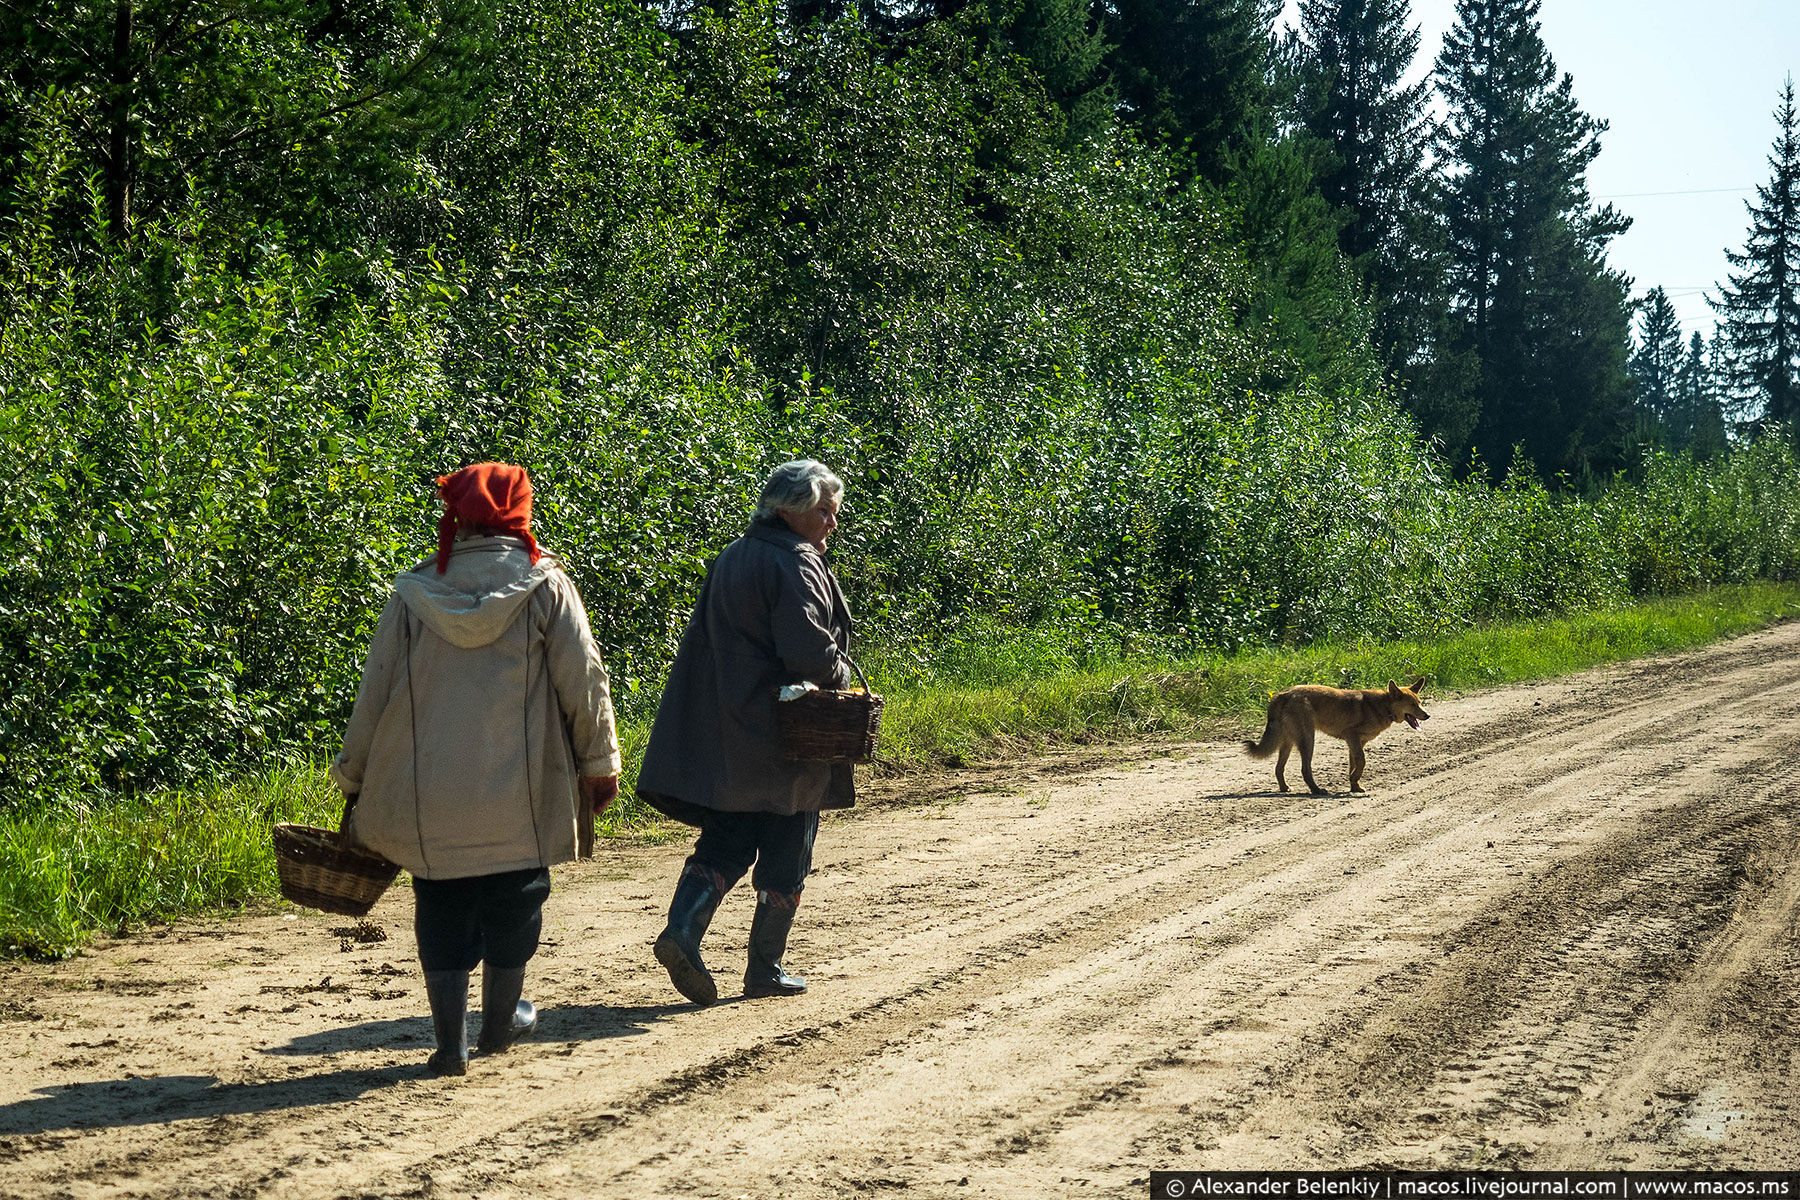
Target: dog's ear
1418 684
1393 688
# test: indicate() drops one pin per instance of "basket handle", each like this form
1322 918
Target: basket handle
344 820
860 678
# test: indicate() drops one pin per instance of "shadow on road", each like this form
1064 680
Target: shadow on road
572 1023
1259 794
161 1099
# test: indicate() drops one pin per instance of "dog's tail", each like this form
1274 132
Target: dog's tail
1270 738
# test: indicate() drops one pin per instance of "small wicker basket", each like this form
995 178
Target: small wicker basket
831 726
321 869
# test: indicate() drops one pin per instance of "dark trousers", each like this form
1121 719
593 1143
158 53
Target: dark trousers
780 847
460 922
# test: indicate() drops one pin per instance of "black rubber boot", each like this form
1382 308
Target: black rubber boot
505 1018
697 897
768 942
448 994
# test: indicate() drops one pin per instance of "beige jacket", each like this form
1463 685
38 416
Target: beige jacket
482 702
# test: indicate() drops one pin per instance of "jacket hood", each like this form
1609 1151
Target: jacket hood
479 596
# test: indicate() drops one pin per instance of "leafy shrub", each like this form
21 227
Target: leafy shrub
657 264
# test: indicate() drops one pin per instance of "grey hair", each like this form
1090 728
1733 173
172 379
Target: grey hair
797 487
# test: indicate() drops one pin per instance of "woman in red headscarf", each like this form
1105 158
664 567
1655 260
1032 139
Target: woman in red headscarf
482 726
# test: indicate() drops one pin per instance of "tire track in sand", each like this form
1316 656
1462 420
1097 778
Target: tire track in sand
1131 969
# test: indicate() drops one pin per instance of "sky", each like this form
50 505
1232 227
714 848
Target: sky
1689 88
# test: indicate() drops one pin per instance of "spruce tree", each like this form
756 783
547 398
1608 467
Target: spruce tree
1760 305
1720 371
1541 314
1064 44
1308 294
1351 61
1062 40
1379 129
1697 402
1656 363
1192 73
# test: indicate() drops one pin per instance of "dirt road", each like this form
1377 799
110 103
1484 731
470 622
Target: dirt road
1560 930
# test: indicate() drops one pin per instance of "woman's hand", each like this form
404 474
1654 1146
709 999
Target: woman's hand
599 791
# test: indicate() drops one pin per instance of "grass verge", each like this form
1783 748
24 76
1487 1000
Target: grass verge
72 871
949 725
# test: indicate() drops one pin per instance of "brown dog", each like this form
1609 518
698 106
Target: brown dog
1355 716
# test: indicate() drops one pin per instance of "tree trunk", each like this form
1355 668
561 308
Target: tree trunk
118 152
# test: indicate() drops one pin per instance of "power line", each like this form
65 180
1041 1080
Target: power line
1694 192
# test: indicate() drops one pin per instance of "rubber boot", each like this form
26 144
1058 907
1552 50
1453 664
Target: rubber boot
505 1018
768 942
448 994
697 897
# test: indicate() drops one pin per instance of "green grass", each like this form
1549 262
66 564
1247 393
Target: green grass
934 723
72 871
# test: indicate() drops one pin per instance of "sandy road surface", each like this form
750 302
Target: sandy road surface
1561 930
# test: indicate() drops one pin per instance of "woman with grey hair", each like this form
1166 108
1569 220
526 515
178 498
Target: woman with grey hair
770 614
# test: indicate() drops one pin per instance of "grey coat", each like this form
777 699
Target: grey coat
770 614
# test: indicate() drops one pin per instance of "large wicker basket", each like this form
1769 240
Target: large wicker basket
321 869
831 726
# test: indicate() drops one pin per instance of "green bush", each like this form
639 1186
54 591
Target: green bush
649 266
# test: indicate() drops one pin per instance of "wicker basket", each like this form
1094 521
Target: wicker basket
831 726
321 869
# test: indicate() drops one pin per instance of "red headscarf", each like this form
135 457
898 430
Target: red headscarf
497 495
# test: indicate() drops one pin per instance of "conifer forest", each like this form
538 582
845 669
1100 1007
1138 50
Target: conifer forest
1135 323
